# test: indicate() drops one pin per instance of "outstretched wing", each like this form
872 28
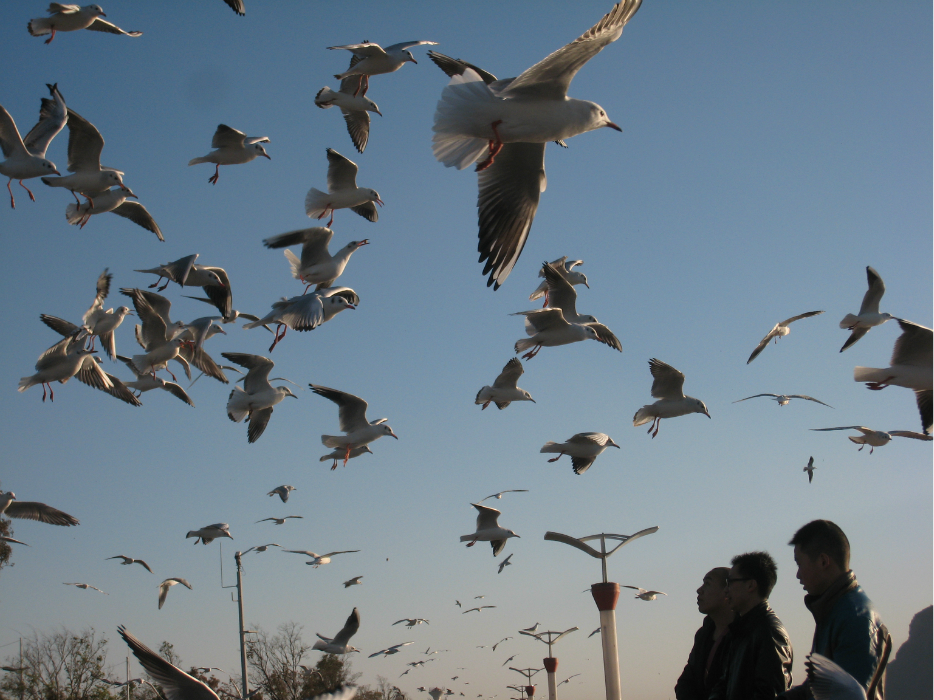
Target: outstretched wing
668 383
175 683
551 77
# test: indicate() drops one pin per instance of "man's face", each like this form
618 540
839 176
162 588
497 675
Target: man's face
810 573
711 595
741 592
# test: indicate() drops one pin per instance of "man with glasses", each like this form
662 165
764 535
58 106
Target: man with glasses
847 628
711 643
759 663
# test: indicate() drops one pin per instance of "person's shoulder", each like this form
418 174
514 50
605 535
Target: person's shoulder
857 602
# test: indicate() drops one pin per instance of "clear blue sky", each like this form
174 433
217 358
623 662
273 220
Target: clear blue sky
769 153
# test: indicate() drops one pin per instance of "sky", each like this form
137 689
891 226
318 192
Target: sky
769 153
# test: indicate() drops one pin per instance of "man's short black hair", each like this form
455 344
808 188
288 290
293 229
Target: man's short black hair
824 537
760 567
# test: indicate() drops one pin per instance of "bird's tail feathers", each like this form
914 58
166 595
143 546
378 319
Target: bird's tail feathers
324 96
524 344
331 441
40 26
848 320
871 374
195 161
453 119
25 383
550 446
295 262
316 203
642 417
72 215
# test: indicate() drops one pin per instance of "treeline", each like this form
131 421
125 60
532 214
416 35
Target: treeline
65 665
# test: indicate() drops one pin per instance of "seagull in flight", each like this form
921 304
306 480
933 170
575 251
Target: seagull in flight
130 560
868 317
478 609
166 585
339 644
810 469
643 594
779 330
85 586
504 563
783 399
175 683
33 510
390 650
317 560
280 521
499 495
876 438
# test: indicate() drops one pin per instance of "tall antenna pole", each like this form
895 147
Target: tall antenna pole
245 683
127 678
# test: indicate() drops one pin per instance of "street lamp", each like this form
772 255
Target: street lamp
528 673
551 663
605 595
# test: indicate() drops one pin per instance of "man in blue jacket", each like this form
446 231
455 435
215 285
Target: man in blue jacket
847 629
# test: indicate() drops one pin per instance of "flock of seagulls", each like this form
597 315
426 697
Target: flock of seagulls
499 125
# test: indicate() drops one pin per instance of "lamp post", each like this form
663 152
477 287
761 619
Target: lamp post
528 673
551 663
605 595
245 683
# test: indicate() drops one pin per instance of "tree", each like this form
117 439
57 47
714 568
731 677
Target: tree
6 551
60 666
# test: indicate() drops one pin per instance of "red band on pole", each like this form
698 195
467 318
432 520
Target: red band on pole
605 595
530 690
551 664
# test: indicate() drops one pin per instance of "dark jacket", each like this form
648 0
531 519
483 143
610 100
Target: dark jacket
760 658
848 631
696 681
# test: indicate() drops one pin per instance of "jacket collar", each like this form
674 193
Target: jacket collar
749 620
821 605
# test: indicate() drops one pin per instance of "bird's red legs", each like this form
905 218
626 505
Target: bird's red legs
878 386
278 337
496 145
359 84
471 544
217 172
334 466
347 455
156 284
555 459
366 85
28 190
532 353
49 40
485 405
655 421
12 201
658 425
51 394
545 305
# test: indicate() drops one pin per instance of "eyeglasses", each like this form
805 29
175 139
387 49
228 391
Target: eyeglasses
734 580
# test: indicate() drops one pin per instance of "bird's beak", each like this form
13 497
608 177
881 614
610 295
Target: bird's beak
413 61
531 399
294 397
365 241
613 444
612 126
394 435
379 201
266 155
130 193
351 307
56 172
378 112
587 285
706 414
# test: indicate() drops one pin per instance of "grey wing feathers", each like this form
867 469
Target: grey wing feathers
561 293
367 210
31 510
498 546
314 242
455 66
606 336
119 390
225 136
352 409
259 419
913 346
139 215
668 383
349 629
53 114
925 399
342 172
358 126
799 317
874 294
509 192
581 464
85 144
175 683
551 76
808 398
510 374
763 344
60 325
99 25
237 6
